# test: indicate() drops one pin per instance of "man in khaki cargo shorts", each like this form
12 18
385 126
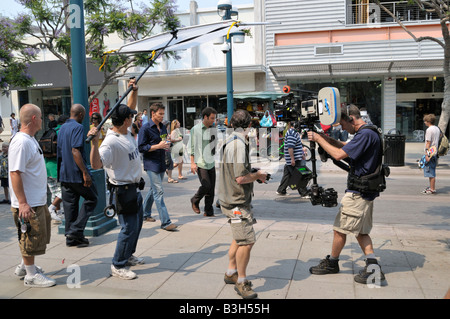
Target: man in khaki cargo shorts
235 196
28 185
355 212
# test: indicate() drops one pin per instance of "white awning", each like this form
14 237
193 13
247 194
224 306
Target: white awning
358 68
185 38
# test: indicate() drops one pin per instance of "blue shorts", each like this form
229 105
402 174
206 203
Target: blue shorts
429 170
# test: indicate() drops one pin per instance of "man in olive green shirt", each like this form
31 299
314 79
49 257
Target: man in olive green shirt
202 161
235 195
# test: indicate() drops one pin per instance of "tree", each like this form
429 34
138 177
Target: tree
14 58
47 22
439 8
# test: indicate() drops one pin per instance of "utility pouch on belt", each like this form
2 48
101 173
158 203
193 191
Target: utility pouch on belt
126 199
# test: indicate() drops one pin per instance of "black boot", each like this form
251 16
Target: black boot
326 266
371 274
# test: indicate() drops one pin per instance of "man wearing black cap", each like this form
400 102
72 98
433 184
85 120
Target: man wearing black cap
119 156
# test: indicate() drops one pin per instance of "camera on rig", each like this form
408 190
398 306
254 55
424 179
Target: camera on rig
268 176
310 110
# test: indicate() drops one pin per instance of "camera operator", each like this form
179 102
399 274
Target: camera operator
355 214
235 196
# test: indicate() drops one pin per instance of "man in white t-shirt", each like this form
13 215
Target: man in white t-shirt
28 180
119 156
431 139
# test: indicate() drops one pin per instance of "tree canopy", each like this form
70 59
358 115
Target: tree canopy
44 24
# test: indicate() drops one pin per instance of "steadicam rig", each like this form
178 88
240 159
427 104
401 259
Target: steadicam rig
321 109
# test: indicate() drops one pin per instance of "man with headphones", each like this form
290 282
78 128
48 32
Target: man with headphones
364 153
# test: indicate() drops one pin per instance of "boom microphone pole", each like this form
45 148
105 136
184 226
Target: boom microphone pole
174 36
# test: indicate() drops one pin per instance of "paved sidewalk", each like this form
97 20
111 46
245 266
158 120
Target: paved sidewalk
412 241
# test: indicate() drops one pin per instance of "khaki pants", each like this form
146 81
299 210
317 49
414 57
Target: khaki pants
35 241
355 215
241 225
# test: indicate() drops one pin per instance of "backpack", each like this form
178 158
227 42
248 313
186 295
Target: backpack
48 143
443 144
4 166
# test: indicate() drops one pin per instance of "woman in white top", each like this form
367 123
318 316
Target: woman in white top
14 125
178 147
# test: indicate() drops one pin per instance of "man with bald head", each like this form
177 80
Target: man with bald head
75 178
27 182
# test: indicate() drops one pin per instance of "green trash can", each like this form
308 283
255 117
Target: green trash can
394 148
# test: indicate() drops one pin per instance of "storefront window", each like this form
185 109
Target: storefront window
193 106
415 98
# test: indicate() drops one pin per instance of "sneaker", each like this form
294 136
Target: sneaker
231 279
282 193
54 216
39 280
171 227
326 266
428 191
22 272
371 275
133 261
149 219
245 290
123 273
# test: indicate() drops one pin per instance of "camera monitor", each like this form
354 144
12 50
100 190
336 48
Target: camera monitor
329 102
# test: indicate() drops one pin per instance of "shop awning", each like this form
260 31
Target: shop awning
262 95
358 68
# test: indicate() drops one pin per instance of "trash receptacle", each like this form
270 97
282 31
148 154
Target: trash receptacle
394 148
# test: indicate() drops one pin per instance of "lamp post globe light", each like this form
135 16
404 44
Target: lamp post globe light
226 11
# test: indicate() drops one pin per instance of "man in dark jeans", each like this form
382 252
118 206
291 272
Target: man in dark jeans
202 161
75 178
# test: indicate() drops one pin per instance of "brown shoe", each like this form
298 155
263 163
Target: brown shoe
195 208
231 279
206 215
245 290
171 227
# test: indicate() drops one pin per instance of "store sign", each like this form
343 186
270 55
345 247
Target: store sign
190 109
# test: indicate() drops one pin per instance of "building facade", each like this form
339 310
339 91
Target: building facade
358 48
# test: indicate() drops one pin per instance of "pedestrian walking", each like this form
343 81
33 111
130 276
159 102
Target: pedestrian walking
153 143
202 161
294 153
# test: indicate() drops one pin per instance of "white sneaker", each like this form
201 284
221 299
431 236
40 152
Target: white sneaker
38 281
133 261
123 273
22 272
53 214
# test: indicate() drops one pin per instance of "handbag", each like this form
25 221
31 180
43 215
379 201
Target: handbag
266 121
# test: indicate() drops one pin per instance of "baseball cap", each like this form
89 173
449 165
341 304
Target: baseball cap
122 112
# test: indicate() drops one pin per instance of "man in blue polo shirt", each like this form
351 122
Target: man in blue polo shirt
356 209
75 178
153 142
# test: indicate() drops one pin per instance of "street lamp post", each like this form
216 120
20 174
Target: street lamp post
225 10
97 223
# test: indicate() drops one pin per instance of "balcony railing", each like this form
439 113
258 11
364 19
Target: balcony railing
365 13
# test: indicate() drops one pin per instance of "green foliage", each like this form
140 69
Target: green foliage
46 21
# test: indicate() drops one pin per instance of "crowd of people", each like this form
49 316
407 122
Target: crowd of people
134 143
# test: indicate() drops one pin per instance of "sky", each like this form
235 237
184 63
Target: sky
11 8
